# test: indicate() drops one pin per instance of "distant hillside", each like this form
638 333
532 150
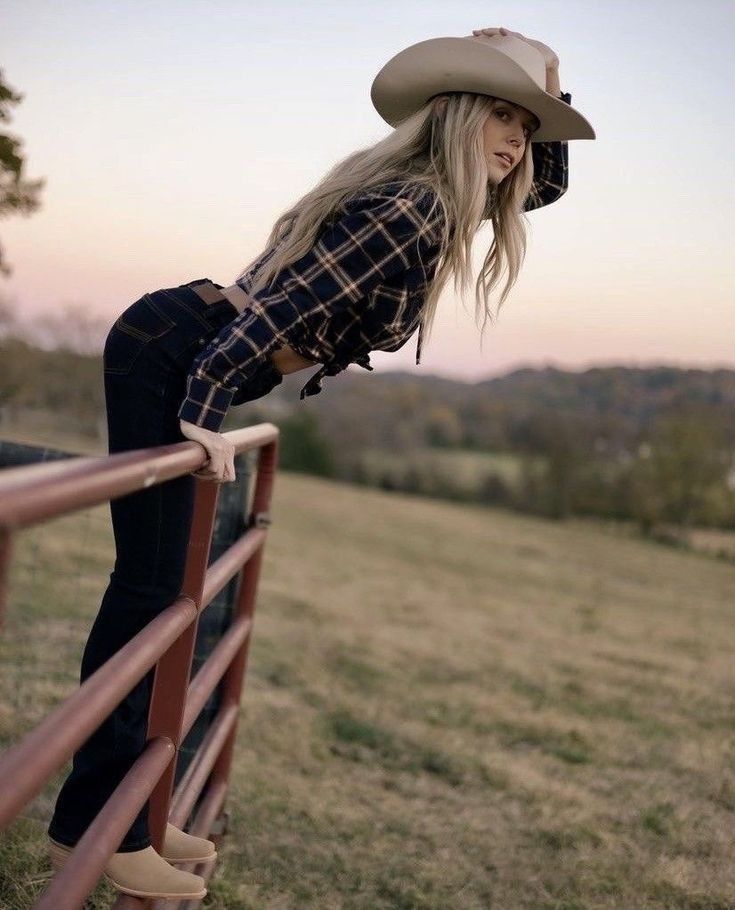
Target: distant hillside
655 445
617 404
634 393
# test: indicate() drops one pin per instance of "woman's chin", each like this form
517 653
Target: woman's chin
496 174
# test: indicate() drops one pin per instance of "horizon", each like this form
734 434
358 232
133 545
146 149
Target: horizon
420 373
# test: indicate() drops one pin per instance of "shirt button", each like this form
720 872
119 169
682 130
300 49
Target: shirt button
201 341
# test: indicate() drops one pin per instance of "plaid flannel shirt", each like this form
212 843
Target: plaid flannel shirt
359 288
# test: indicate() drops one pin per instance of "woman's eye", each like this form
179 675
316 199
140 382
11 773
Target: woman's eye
526 129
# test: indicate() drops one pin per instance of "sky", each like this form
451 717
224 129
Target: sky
172 133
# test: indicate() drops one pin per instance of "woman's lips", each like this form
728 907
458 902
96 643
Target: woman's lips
503 159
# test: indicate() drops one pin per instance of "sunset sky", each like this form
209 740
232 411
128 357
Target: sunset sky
172 134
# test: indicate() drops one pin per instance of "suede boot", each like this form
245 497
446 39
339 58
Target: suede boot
180 847
141 873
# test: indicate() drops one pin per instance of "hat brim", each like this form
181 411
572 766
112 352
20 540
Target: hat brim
417 73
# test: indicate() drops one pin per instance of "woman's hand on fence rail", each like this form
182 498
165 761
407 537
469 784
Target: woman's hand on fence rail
221 463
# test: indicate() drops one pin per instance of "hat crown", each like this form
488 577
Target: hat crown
521 52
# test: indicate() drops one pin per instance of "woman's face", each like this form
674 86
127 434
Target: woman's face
506 131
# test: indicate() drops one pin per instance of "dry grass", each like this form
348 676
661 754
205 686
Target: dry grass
447 708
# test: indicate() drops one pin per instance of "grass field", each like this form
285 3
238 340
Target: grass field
446 708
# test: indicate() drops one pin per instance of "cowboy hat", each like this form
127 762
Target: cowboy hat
500 65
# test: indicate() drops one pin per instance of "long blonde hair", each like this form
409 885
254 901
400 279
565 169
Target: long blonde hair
440 147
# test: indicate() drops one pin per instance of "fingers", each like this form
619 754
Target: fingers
224 475
220 466
221 471
496 31
220 463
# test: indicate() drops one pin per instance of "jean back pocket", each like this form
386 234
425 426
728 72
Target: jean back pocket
135 328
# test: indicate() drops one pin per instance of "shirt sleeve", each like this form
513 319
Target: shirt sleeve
550 170
350 258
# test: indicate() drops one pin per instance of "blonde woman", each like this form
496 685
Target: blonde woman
480 132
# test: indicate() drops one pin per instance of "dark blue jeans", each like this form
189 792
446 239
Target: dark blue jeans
146 358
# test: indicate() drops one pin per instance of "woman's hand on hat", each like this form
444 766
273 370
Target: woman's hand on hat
221 463
550 58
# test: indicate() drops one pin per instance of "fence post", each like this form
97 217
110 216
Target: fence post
174 667
214 622
232 681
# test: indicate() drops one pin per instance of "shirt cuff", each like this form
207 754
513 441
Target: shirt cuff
206 403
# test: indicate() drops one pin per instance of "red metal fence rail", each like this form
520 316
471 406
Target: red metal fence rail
32 494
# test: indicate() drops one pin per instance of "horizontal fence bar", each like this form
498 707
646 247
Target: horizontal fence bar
192 783
208 811
36 493
213 669
230 562
85 865
82 485
14 476
26 766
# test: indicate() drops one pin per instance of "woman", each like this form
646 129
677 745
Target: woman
356 265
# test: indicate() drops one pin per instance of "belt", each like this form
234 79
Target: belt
237 297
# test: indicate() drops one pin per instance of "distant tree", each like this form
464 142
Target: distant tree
678 469
386 481
598 490
17 195
443 427
493 489
16 365
412 481
302 446
8 317
549 487
69 327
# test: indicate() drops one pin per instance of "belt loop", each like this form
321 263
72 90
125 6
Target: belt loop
237 297
207 291
233 294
